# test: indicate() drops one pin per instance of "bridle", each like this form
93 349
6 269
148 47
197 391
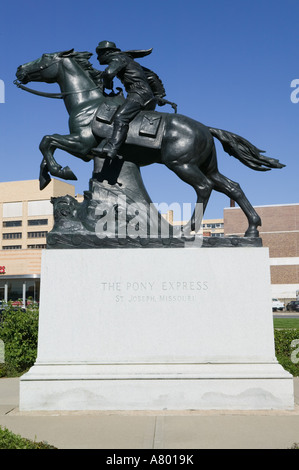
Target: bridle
50 95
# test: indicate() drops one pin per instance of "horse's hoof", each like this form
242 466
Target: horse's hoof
44 181
67 174
252 233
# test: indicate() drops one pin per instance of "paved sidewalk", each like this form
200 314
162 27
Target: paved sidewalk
151 430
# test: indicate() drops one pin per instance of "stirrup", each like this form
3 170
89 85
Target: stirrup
99 150
111 153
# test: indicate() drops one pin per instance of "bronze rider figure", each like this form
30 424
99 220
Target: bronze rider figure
144 90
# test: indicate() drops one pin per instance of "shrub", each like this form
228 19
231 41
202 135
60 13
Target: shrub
283 348
18 331
9 440
295 446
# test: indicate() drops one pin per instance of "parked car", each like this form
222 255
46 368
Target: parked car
13 306
293 306
277 305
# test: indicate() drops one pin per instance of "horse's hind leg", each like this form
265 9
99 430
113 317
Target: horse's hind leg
191 174
234 191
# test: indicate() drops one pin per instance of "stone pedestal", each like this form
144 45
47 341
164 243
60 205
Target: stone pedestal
153 329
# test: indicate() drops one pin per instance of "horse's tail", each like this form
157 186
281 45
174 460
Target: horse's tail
244 151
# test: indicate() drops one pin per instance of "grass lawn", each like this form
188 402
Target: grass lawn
286 323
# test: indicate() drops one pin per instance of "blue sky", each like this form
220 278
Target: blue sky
226 63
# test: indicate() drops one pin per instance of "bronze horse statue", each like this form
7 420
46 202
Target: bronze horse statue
187 146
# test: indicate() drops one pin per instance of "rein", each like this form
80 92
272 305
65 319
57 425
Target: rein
52 95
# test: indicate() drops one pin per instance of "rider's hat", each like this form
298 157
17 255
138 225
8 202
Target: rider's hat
106 45
111 46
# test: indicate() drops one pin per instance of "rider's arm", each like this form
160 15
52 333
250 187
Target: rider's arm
115 66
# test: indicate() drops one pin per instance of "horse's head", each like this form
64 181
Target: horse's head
44 69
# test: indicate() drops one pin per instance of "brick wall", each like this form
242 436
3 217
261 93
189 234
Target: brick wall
274 219
281 245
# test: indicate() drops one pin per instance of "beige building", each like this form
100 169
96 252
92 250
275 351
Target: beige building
213 227
26 216
209 227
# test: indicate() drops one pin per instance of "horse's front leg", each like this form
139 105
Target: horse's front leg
73 144
44 177
47 147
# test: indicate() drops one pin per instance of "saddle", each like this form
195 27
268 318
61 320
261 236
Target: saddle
145 130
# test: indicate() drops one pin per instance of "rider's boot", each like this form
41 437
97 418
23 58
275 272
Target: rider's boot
111 146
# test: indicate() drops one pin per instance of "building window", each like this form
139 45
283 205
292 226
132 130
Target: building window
12 223
37 234
40 208
12 209
38 222
22 291
216 225
10 236
33 247
12 247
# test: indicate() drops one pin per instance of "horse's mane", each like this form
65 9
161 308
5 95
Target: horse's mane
82 58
